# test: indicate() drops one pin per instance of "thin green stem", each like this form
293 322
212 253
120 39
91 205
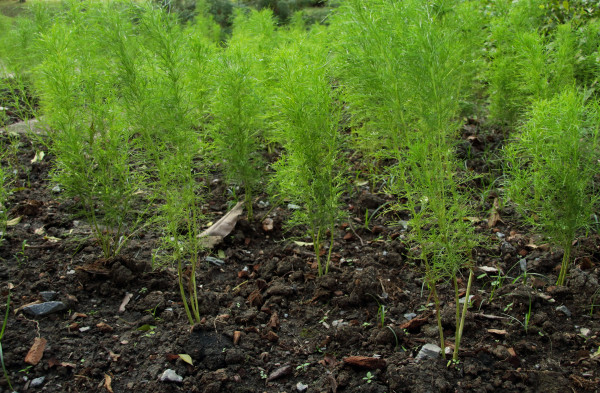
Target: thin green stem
461 326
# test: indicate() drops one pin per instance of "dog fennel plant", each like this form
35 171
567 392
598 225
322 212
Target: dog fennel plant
90 137
426 174
236 126
176 149
307 127
551 166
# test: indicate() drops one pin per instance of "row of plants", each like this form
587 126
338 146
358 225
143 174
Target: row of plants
140 108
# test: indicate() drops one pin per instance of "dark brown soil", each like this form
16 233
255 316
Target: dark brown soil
294 328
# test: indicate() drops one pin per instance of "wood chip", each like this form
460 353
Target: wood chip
36 351
125 301
500 332
365 362
236 337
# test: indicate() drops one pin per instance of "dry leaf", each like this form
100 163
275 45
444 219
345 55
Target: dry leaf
494 215
52 239
39 156
500 332
108 382
302 243
186 358
215 234
113 356
36 351
13 222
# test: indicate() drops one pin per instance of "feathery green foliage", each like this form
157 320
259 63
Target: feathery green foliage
307 173
238 105
551 166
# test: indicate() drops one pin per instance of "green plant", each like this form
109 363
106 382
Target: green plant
20 256
307 173
90 136
4 324
551 167
173 147
237 122
369 377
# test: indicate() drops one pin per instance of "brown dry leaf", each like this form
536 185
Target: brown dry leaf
113 356
365 362
500 332
108 382
494 215
25 305
274 321
36 351
215 234
414 323
77 315
104 327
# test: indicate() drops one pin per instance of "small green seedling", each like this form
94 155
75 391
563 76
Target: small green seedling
369 377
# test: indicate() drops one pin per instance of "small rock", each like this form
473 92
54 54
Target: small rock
523 265
291 206
507 248
267 224
410 315
563 309
56 189
429 351
300 387
170 376
37 382
48 295
39 310
586 332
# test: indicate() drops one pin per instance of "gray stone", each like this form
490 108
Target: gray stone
409 316
48 295
300 387
586 332
37 382
429 351
507 248
170 376
563 309
39 310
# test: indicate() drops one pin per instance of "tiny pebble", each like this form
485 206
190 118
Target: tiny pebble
37 382
300 387
586 332
170 376
410 315
564 310
84 329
